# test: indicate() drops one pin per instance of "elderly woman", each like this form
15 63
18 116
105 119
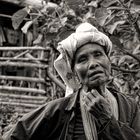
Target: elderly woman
89 111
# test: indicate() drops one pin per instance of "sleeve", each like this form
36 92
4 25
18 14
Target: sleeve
111 129
27 126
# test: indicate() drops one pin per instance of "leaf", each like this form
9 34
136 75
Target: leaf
115 40
38 40
101 14
74 4
114 59
135 8
125 60
26 26
64 33
70 13
93 4
136 2
34 3
88 15
19 16
50 6
137 84
54 27
107 3
138 75
64 20
112 27
29 38
137 50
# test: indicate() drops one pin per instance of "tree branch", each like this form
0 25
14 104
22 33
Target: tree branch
114 67
55 80
136 25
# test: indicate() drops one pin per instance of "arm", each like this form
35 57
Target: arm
26 127
108 127
111 129
45 123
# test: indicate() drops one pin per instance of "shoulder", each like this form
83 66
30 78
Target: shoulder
126 98
60 103
128 107
49 109
125 101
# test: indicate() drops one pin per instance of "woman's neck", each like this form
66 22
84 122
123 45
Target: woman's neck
101 90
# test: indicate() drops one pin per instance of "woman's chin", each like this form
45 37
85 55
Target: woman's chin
97 82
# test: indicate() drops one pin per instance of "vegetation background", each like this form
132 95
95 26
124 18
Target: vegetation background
119 19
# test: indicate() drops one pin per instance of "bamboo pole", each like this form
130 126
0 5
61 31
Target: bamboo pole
22 59
23 97
22 111
23 64
22 48
20 89
28 55
20 78
38 62
21 54
22 101
41 86
19 104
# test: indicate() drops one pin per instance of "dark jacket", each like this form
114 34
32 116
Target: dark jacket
54 120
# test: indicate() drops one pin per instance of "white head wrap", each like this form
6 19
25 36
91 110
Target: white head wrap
84 33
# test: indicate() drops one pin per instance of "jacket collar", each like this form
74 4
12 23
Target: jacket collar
72 99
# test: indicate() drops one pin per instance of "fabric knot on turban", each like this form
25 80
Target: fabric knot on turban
85 33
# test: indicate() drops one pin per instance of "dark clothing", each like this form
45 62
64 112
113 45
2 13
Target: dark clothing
55 121
78 132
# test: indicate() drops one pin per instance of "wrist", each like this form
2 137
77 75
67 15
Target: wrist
103 122
104 118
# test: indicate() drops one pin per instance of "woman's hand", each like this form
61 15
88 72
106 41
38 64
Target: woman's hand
97 105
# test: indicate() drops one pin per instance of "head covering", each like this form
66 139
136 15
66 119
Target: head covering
85 33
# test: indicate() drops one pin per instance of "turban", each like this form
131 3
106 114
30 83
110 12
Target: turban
85 33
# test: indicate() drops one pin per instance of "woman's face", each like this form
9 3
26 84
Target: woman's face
92 65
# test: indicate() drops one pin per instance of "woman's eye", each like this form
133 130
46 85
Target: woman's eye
82 59
98 54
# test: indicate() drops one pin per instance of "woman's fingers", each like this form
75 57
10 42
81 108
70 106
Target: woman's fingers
91 99
96 104
95 93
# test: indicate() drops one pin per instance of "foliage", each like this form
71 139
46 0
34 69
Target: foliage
119 19
8 117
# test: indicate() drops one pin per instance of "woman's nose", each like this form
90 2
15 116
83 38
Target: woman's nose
93 64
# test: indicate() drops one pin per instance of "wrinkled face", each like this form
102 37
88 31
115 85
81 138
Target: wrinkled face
92 65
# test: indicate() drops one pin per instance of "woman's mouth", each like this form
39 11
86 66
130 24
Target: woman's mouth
94 75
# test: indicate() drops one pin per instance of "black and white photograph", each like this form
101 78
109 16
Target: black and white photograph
69 70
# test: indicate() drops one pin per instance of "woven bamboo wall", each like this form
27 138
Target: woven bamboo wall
31 86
